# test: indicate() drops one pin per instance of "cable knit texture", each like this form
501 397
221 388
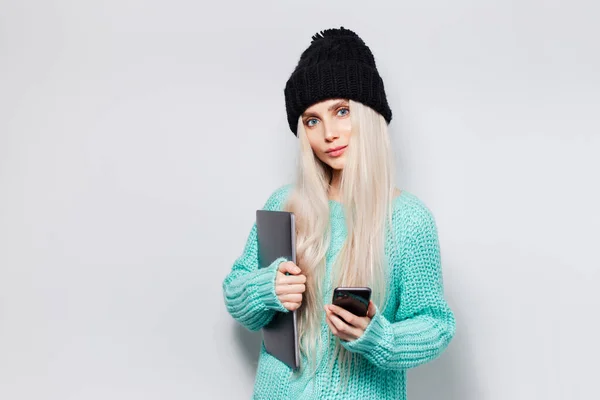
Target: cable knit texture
415 325
337 64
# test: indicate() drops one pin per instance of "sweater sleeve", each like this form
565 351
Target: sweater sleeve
425 324
249 291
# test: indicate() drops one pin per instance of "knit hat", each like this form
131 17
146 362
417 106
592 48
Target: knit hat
337 64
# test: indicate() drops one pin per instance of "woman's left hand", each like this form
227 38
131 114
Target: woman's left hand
351 327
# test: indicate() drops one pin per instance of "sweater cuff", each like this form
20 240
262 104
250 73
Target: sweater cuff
377 333
263 285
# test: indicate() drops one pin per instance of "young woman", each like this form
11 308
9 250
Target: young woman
354 228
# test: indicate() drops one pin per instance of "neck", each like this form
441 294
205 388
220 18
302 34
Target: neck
334 185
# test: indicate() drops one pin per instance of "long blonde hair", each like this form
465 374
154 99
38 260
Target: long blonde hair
367 192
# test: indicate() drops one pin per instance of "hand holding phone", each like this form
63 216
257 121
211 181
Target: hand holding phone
353 299
349 319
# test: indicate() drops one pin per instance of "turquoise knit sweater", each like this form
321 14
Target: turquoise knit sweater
414 327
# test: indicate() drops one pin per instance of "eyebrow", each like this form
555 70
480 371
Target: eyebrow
330 108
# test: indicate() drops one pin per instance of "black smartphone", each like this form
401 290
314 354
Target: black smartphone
354 299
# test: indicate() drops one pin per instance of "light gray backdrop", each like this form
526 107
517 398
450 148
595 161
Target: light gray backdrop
138 138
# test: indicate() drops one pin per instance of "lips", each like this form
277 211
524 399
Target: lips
337 151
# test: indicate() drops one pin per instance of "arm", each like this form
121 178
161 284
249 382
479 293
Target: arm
425 324
249 291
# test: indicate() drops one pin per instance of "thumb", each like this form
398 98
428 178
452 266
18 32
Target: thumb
290 267
371 310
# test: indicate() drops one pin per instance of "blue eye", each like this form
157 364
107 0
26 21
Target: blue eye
309 122
346 111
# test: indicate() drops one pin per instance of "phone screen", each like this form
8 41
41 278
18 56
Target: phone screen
355 300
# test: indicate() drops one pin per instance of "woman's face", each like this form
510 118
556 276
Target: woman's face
327 126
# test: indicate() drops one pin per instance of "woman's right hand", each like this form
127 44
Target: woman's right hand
289 288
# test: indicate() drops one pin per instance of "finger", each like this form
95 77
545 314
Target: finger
289 266
351 319
344 328
291 297
336 331
287 289
372 310
291 306
331 327
290 279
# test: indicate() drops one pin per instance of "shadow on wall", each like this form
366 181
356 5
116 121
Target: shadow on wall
452 376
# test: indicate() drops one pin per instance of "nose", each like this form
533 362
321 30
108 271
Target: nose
331 134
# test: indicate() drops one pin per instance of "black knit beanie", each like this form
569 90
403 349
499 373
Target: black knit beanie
337 64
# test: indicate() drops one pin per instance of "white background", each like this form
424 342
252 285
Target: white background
138 138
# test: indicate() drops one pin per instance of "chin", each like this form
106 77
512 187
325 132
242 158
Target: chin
339 165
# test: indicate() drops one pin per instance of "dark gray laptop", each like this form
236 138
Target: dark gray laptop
277 238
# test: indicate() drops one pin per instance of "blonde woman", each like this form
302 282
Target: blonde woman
354 228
